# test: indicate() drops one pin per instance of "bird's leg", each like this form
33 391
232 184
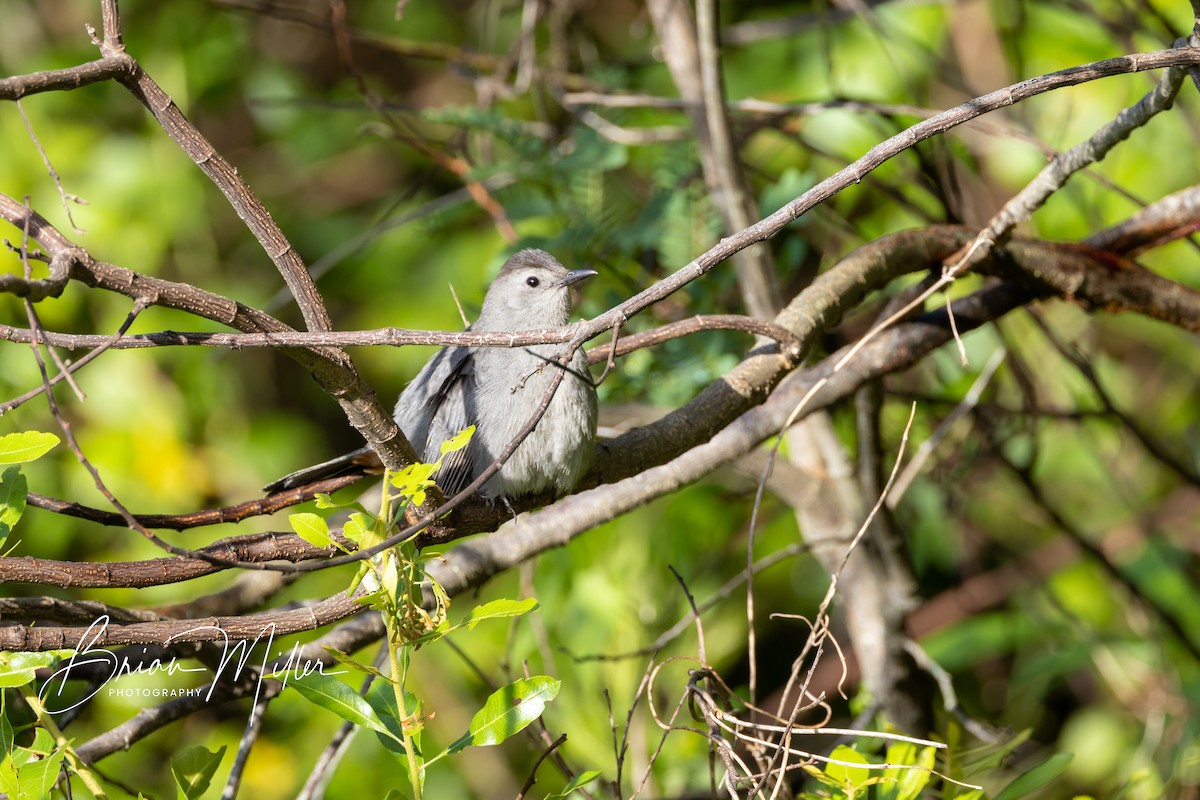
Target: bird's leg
512 511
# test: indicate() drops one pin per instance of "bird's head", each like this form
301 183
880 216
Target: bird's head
531 291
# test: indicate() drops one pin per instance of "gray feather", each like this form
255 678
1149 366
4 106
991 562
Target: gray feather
498 390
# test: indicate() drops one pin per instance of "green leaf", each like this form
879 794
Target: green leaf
498 609
367 528
363 571
7 734
13 491
353 663
1036 778
36 778
413 475
847 776
819 774
331 694
508 710
578 782
905 783
311 528
458 441
8 774
381 696
389 578
11 677
353 530
193 770
18 669
17 448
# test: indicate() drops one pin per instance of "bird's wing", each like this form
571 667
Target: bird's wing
436 405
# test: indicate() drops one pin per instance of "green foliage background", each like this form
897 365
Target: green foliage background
1071 657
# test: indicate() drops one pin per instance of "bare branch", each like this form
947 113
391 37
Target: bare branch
108 68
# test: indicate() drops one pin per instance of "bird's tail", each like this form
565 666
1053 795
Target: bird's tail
362 461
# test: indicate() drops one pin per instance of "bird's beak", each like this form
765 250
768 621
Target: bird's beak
575 276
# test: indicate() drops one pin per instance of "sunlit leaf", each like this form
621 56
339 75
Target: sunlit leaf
498 609
371 529
17 448
37 778
508 710
381 696
18 669
459 440
193 770
1036 778
354 530
901 783
389 578
847 775
311 528
353 663
13 491
331 694
578 782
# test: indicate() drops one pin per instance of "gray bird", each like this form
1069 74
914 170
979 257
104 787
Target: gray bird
497 389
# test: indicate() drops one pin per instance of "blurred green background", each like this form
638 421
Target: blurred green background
1069 655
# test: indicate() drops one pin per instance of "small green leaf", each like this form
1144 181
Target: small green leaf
1036 778
8 774
18 669
311 528
905 782
331 694
498 609
459 440
353 530
43 743
508 710
578 782
36 778
363 571
848 776
413 475
381 696
7 735
389 578
353 663
13 491
17 448
367 528
819 774
193 770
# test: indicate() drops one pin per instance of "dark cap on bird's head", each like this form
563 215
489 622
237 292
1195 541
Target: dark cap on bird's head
533 258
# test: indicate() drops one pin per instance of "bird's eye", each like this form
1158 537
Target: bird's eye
532 282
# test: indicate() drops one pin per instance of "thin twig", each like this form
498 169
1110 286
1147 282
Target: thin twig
532 779
258 710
